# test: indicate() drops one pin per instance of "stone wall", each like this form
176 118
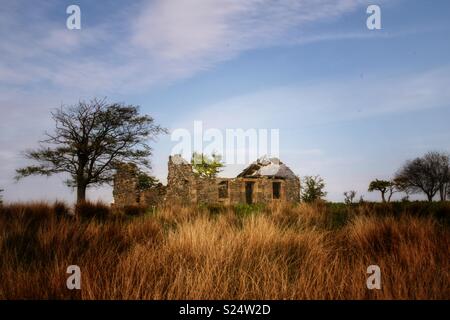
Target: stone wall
180 182
207 190
292 190
185 187
263 190
153 196
126 191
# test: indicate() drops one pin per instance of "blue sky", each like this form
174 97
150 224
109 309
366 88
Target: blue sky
351 104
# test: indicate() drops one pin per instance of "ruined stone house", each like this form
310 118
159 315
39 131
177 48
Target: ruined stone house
266 180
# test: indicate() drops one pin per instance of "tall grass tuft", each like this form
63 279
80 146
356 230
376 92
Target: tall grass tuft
305 251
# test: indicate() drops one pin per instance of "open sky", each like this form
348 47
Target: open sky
351 104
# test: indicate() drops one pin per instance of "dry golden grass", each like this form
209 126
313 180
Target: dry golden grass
283 252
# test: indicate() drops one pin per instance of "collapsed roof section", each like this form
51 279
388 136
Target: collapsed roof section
177 159
267 167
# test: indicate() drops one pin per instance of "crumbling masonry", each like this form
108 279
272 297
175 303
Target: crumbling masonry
266 180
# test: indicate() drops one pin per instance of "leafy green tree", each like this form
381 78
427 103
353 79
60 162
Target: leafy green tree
312 188
89 140
146 181
385 187
205 166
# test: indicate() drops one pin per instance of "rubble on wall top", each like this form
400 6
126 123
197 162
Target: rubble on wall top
267 167
178 159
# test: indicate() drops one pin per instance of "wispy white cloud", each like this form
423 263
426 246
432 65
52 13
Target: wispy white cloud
42 65
330 101
194 35
159 42
202 29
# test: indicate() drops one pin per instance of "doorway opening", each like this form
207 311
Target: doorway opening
249 192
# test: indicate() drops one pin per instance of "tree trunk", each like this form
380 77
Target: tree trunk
383 197
443 190
390 196
81 193
430 197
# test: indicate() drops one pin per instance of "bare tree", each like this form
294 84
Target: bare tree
429 174
89 140
349 196
444 174
402 185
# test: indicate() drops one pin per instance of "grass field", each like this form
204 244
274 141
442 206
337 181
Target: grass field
318 251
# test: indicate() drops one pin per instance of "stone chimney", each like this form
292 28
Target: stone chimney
180 181
126 191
